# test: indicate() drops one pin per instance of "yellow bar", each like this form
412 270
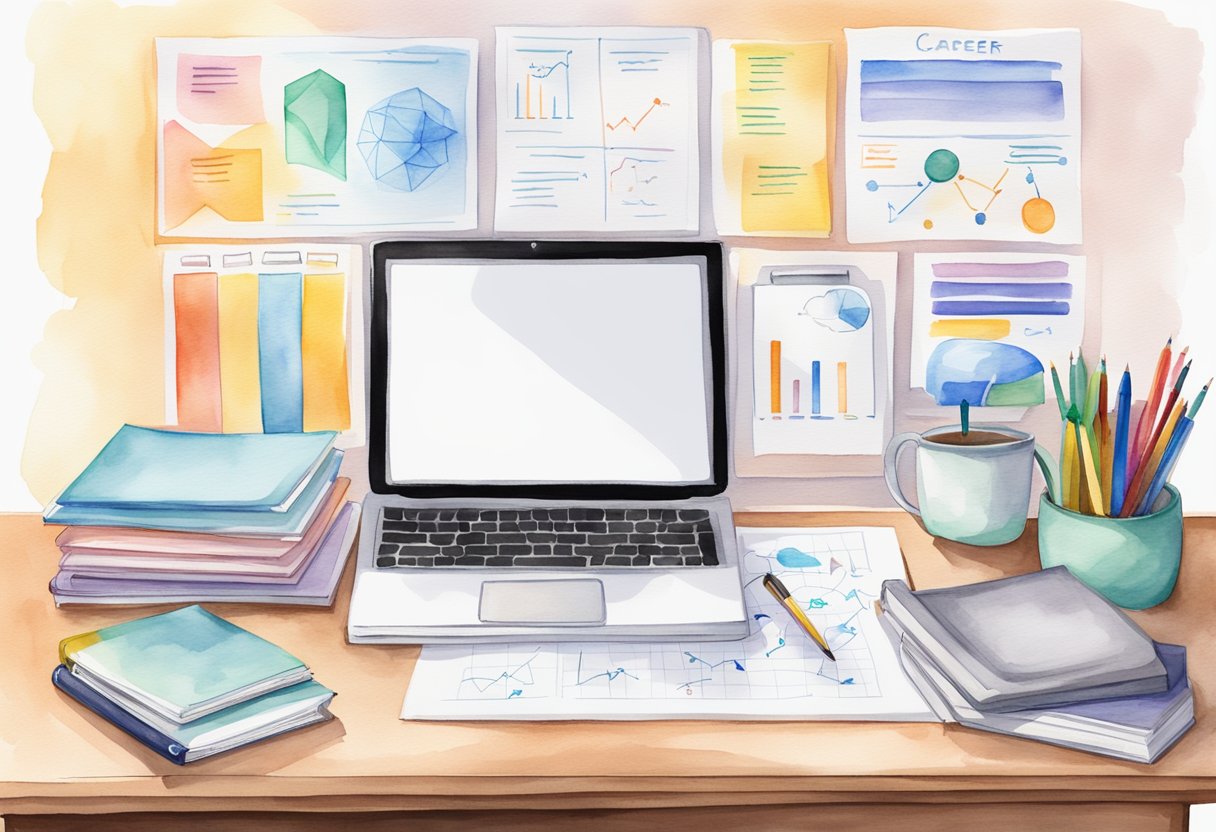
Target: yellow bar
774 376
842 387
240 384
988 329
323 351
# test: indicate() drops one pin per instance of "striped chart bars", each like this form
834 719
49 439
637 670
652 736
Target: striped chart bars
261 352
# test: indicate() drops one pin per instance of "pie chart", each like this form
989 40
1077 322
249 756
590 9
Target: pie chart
841 310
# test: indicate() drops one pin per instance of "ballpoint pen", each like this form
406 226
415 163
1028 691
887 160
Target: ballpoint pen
778 590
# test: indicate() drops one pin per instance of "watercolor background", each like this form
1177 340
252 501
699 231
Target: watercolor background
85 304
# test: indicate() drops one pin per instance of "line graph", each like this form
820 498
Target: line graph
543 92
633 125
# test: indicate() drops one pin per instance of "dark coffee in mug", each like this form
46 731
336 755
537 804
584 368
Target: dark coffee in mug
971 437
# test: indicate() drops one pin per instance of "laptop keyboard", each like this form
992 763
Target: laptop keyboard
545 537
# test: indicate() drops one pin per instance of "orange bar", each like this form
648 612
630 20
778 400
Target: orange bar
197 336
842 387
774 376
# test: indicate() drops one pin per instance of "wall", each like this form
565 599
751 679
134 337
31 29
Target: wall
100 355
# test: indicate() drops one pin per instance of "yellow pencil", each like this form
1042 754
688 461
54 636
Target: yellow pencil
1091 470
1070 468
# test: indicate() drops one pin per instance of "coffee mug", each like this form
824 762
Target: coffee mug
973 487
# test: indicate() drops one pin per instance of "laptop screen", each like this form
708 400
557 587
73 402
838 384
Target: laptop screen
563 369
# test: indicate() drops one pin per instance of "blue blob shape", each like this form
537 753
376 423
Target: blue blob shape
847 681
966 369
1030 177
792 558
981 218
871 185
1063 161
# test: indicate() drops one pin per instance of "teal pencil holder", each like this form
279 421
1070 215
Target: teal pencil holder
1132 561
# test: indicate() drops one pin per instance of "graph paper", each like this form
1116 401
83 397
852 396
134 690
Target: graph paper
777 672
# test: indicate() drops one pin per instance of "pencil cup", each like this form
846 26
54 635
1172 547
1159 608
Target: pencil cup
971 487
1132 561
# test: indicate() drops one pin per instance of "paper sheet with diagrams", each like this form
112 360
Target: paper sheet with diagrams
987 325
777 672
597 129
952 134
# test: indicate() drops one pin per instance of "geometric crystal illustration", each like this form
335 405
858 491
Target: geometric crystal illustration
404 139
314 112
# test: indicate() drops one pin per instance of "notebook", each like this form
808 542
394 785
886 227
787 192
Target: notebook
149 468
1138 728
181 665
293 521
1029 641
273 713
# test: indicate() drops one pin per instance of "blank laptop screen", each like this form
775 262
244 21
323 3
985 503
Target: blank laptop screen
548 372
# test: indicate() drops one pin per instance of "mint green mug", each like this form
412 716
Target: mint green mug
1132 561
973 488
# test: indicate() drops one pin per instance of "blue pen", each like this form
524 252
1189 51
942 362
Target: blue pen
1169 459
1118 478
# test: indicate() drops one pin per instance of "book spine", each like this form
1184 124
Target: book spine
280 300
162 744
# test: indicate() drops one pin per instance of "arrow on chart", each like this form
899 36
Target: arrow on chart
634 125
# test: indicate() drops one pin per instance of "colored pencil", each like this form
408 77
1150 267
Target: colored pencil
1055 381
1149 415
1156 449
1069 469
1199 400
1106 452
1168 461
1072 378
1081 400
1093 490
1178 364
1123 414
1138 474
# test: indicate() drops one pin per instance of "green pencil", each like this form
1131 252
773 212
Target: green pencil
1055 381
1199 400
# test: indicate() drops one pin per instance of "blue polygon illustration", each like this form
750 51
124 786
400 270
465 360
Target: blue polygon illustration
404 139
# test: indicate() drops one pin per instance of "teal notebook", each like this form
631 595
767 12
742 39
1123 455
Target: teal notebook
150 468
181 665
287 523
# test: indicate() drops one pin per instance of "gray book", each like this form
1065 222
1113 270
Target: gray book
1031 641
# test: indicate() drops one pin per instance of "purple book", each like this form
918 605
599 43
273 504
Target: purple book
315 585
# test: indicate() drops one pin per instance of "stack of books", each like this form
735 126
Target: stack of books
169 517
1041 656
189 684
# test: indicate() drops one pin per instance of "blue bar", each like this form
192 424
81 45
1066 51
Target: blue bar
814 388
1026 291
962 101
956 70
1000 307
280 300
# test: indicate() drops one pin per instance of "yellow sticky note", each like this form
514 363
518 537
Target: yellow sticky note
240 384
323 349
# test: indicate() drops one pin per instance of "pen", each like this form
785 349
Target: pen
782 594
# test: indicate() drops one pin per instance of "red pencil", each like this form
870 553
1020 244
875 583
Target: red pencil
1148 416
1129 504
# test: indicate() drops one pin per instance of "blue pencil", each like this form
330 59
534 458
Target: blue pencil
1168 460
1123 410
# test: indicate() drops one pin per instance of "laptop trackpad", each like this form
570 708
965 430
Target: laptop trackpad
542 602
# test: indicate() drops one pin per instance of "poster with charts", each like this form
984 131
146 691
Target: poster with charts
987 325
315 136
770 138
597 130
777 672
954 134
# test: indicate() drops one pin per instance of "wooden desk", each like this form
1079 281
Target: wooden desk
56 758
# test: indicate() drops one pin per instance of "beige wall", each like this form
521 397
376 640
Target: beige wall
103 358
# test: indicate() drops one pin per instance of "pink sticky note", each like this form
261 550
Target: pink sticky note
220 89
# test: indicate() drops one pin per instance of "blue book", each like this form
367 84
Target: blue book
248 722
143 468
280 359
287 523
179 665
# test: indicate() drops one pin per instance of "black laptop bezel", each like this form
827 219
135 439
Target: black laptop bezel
384 253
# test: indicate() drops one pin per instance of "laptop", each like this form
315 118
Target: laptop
547 447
